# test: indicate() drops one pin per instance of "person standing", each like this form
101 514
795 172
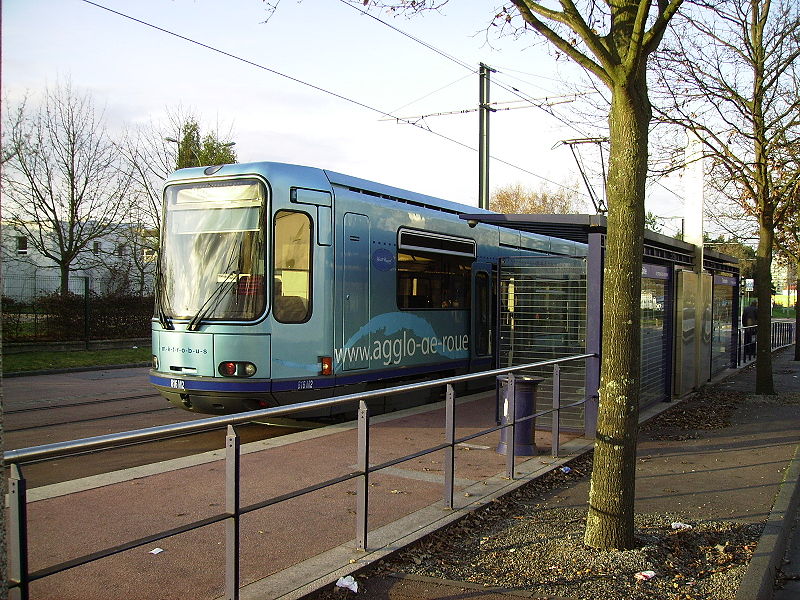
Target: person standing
750 322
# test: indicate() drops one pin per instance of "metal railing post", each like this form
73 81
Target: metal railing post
511 399
738 348
450 451
362 485
86 328
557 409
17 535
232 489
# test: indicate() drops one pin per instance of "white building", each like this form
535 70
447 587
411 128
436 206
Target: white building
120 262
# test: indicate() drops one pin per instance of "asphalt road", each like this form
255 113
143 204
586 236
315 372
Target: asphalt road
45 409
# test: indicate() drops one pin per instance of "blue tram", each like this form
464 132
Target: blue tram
281 283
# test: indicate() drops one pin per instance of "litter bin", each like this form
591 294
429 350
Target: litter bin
524 406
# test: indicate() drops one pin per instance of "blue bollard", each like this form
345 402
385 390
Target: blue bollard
525 392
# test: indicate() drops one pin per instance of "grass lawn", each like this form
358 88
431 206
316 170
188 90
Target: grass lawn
34 361
783 312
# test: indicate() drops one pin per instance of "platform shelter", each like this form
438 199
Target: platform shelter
551 307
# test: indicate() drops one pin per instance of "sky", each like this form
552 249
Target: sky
363 71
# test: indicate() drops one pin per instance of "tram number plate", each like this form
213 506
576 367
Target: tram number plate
177 384
307 384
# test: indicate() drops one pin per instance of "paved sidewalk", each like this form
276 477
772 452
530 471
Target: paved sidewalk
746 472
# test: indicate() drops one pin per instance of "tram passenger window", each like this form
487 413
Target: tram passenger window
427 280
291 290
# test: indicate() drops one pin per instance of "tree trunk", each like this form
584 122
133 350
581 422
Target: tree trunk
611 495
797 310
763 275
64 272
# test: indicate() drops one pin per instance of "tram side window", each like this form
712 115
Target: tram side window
291 291
428 280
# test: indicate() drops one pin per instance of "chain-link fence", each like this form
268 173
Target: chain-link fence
35 309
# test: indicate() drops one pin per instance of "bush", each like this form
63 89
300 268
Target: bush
120 316
62 317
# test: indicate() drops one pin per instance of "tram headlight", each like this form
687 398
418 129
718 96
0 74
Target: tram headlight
155 362
230 368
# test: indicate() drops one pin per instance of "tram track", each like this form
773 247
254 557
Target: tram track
58 408
67 412
30 409
52 423
87 420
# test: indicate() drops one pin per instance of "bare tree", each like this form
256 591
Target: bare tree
517 198
152 152
63 183
150 158
613 41
729 75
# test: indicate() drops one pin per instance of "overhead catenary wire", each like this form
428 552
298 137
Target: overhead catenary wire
544 104
507 87
431 47
436 91
496 107
316 87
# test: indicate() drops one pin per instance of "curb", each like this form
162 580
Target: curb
75 370
758 582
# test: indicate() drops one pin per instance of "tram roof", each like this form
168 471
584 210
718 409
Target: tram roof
578 228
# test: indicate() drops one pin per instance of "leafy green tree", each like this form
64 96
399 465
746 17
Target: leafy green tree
651 222
195 150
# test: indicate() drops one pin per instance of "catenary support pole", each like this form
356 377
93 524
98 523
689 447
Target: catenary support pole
483 137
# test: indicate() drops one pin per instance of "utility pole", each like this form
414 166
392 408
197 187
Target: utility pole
483 137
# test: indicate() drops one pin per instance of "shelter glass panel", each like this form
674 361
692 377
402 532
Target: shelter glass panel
685 365
722 343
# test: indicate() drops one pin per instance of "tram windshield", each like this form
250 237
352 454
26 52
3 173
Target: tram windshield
212 257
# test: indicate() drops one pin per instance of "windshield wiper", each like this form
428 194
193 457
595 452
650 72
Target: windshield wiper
163 318
213 301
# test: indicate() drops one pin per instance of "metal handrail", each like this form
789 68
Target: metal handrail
782 334
20 577
126 438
